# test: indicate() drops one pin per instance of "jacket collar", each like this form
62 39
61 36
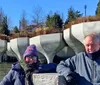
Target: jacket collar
94 56
16 66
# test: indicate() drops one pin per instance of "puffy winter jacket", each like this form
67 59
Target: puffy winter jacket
16 76
88 70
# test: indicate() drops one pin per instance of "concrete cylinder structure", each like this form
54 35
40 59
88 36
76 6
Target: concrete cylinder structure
91 27
9 51
19 45
79 31
66 52
72 41
48 44
3 48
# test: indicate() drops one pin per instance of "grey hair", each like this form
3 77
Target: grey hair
95 37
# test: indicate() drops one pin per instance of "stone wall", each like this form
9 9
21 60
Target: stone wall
48 79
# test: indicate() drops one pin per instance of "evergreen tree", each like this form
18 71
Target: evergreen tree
54 21
1 29
1 15
97 12
4 26
72 15
16 30
57 21
49 21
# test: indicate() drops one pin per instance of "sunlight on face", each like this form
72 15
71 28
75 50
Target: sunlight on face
91 45
30 60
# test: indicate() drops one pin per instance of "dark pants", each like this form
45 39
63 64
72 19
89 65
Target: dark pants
62 81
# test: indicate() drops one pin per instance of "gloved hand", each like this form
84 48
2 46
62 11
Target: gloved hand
28 78
73 78
28 75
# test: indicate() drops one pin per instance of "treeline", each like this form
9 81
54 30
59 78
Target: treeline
51 20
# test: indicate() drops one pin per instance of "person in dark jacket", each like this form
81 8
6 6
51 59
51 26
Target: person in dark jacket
83 68
23 76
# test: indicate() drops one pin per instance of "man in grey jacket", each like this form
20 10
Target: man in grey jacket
83 68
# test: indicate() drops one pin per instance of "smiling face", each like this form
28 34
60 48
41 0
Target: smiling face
91 44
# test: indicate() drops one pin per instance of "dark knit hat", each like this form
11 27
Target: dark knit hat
30 51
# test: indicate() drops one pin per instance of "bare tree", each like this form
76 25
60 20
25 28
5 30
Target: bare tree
23 21
9 23
62 17
38 16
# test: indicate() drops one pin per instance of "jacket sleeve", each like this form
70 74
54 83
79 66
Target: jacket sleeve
47 68
7 80
66 67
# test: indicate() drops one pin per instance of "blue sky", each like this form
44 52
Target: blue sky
13 8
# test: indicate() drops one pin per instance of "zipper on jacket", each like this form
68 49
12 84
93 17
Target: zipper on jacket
93 71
